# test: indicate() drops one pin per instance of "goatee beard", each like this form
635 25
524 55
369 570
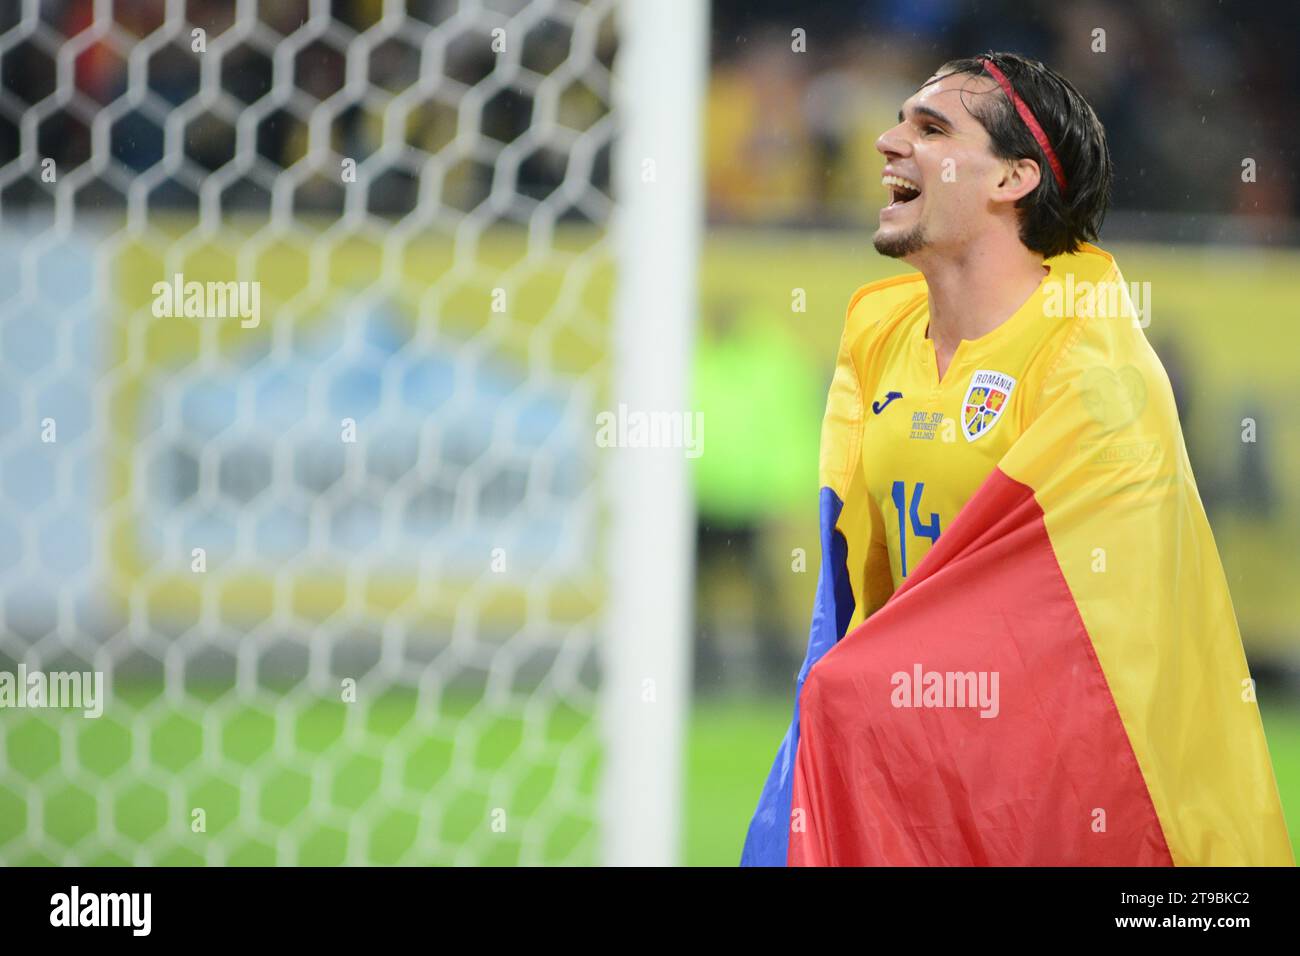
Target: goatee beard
898 246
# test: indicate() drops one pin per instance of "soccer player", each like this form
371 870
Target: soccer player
1023 649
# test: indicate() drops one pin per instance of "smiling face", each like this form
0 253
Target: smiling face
945 182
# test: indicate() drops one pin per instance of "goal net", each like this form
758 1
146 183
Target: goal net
307 310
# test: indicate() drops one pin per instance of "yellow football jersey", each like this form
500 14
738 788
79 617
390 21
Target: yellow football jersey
928 444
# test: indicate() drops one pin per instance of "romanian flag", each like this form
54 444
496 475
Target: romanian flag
1059 681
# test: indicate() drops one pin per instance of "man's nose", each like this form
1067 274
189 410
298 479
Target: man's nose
892 143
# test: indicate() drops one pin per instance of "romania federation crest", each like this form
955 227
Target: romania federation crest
986 398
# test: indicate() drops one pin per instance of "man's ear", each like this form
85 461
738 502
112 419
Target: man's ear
1020 177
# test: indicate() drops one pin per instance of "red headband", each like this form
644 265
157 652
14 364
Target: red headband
1027 115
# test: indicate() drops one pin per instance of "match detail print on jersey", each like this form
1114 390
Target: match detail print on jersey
986 399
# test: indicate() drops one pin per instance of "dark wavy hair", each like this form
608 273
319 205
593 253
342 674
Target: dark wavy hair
1051 223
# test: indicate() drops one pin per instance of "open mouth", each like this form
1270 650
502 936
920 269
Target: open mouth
901 190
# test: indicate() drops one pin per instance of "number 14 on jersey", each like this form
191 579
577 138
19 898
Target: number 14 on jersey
906 512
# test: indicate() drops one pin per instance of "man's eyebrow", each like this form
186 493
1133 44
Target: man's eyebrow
928 111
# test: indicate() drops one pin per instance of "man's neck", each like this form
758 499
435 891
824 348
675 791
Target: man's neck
972 296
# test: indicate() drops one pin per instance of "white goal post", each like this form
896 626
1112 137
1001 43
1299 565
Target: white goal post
664 59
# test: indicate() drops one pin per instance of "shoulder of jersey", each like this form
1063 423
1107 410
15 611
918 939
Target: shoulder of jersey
1093 347
1099 331
1090 264
874 305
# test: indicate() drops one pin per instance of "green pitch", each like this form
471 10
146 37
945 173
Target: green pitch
391 788
319 782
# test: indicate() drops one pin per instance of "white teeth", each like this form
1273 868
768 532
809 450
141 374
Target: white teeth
899 181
